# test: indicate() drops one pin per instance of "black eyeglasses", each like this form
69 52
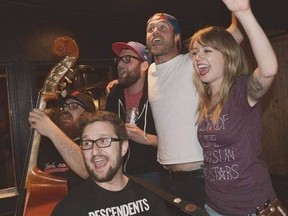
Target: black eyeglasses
100 143
71 106
125 59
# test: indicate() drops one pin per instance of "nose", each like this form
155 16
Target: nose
95 149
198 55
156 30
64 107
120 63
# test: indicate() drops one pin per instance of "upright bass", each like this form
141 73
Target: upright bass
40 191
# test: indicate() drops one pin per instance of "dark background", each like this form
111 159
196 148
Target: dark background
28 28
96 24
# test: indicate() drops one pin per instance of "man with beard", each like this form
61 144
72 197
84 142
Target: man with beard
133 60
107 191
72 107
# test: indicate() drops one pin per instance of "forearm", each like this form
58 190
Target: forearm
235 29
70 152
150 140
146 139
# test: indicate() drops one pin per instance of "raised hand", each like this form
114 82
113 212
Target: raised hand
237 5
40 121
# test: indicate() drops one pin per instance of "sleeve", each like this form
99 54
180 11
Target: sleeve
46 149
110 101
239 94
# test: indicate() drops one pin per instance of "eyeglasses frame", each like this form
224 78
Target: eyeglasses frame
118 58
69 107
95 142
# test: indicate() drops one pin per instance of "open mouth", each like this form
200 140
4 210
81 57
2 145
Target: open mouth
157 41
99 162
203 69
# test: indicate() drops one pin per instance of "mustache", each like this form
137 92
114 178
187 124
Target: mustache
65 114
98 156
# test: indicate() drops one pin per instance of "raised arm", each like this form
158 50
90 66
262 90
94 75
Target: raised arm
70 151
264 54
235 30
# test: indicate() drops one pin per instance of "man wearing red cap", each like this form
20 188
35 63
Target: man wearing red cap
133 60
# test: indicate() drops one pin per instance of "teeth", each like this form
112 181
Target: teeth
97 159
156 40
202 66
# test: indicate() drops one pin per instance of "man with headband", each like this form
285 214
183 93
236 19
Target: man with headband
174 101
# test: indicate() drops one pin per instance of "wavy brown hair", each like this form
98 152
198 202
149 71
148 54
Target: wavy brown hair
236 65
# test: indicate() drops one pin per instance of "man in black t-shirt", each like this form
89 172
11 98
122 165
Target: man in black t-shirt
107 191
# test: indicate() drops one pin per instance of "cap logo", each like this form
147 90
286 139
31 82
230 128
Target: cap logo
167 17
75 93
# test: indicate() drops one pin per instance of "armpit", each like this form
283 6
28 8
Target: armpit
254 87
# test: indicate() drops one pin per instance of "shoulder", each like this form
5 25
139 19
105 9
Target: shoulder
239 93
138 189
241 84
156 205
75 200
115 91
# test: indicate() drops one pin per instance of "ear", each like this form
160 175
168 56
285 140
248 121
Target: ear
125 146
144 66
177 37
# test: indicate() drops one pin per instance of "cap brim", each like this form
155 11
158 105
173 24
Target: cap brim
64 99
119 46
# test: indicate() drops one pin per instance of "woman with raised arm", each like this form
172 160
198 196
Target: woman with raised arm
237 180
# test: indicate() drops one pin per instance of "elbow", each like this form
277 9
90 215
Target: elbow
269 71
273 71
84 175
274 67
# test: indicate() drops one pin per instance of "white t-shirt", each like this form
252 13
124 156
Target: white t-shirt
174 102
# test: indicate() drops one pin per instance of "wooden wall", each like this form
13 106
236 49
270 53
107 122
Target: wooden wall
275 107
275 112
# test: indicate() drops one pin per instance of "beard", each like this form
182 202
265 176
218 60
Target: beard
156 51
131 77
71 129
110 173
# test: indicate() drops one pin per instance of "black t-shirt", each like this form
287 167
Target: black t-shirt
91 200
50 161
